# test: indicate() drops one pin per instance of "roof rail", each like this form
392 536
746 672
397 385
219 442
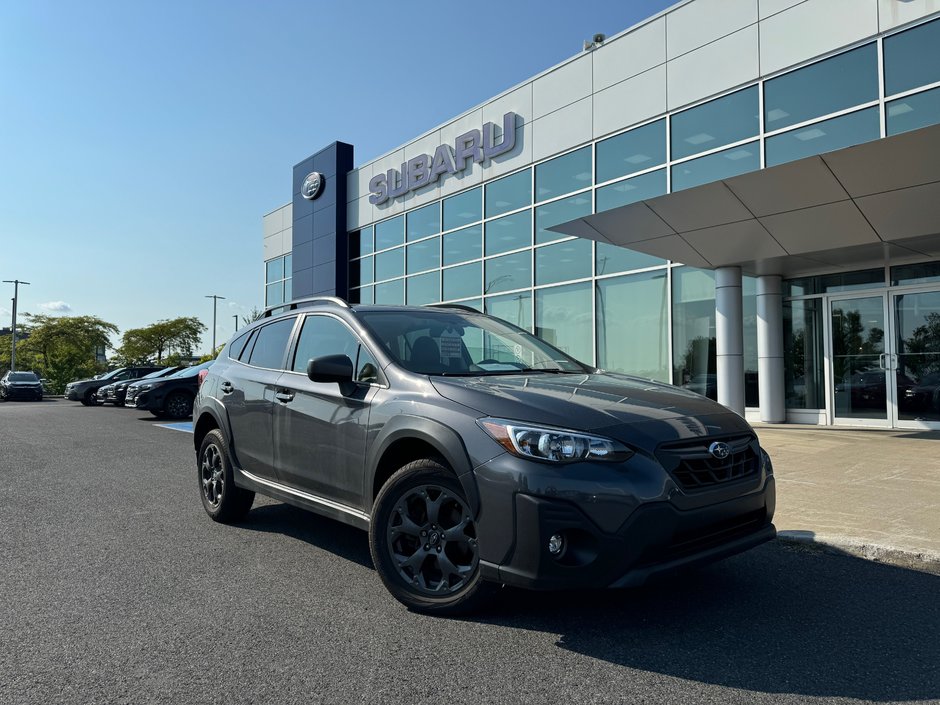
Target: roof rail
459 307
302 303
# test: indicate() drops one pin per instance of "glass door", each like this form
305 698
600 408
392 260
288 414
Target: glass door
860 390
915 362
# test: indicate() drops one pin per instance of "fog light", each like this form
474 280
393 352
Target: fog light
556 544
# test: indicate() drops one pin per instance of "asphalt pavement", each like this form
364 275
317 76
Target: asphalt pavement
116 588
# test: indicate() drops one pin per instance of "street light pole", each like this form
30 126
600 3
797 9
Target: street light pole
235 316
215 302
16 294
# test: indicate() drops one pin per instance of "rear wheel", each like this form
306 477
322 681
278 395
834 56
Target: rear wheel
158 414
221 499
178 405
424 543
89 398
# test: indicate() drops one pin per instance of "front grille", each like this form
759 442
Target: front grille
693 467
703 538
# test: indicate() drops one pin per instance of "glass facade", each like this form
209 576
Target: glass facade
716 123
277 280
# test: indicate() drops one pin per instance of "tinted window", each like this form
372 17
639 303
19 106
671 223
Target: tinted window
361 271
423 289
23 377
514 308
640 299
822 88
719 122
564 174
612 258
390 264
274 269
424 255
390 292
509 233
271 344
463 209
508 272
321 336
563 319
912 58
461 282
721 165
914 112
632 151
632 190
235 349
360 243
559 211
824 136
463 245
563 261
389 233
509 193
424 221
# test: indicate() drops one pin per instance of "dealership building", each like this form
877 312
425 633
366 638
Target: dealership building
741 197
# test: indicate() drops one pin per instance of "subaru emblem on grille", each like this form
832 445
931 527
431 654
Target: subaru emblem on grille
719 450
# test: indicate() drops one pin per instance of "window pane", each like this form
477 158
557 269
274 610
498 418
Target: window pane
390 264
852 281
366 295
274 294
424 289
632 190
508 273
360 242
288 290
926 273
463 245
461 282
514 308
271 344
722 121
390 292
424 221
822 88
274 269
424 255
611 258
824 136
632 151
563 262
722 165
509 193
693 330
389 233
320 336
288 266
559 212
632 325
463 209
563 174
803 354
912 58
563 318
914 112
509 233
360 271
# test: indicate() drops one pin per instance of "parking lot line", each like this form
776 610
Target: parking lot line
184 426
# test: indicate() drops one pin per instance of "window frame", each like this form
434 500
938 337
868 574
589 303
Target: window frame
295 341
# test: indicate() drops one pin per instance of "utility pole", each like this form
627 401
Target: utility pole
235 316
16 294
215 302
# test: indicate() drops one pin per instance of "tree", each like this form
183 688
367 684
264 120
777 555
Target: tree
64 348
153 342
251 316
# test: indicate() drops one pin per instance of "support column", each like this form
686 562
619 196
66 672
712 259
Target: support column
770 349
729 343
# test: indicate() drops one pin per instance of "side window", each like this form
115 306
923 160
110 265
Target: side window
235 349
271 344
249 344
121 376
324 335
367 369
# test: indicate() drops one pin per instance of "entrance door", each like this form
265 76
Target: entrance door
860 390
915 362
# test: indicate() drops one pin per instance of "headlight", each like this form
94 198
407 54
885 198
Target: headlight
144 387
553 444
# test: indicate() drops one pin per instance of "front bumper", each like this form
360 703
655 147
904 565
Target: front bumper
23 393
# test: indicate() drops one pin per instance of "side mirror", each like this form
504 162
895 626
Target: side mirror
330 368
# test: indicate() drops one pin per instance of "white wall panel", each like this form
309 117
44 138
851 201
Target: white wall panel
631 101
562 129
562 86
271 223
714 68
766 8
812 28
365 210
893 13
629 55
698 23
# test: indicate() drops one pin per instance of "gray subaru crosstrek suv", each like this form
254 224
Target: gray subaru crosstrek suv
474 453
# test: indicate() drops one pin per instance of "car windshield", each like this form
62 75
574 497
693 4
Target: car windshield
190 371
466 344
109 375
159 373
23 377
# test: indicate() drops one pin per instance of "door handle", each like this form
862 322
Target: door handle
227 387
881 361
284 395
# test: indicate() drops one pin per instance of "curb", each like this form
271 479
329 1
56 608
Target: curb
924 561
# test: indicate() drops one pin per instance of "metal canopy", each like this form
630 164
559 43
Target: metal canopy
857 207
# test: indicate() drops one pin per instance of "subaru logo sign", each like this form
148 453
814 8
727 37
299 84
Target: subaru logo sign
312 185
719 450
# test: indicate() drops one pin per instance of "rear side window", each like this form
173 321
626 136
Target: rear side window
249 344
235 349
271 344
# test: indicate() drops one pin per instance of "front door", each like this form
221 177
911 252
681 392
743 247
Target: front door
915 358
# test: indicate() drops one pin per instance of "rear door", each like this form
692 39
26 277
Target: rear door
319 428
247 387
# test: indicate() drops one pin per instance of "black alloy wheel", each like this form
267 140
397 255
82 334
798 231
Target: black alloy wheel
221 498
178 405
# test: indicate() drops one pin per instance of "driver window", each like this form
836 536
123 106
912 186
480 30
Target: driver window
325 335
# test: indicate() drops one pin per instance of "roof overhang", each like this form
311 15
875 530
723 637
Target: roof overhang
857 207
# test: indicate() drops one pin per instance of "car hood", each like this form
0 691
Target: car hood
621 406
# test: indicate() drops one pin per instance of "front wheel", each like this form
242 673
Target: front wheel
178 405
221 499
424 543
89 399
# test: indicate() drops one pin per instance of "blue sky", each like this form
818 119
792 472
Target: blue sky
140 143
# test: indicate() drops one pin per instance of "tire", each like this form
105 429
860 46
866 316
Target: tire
89 399
179 405
222 500
158 414
424 502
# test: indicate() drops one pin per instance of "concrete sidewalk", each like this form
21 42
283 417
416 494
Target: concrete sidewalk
872 493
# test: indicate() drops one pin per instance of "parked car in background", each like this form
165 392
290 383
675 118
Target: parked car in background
170 397
83 390
115 392
20 385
